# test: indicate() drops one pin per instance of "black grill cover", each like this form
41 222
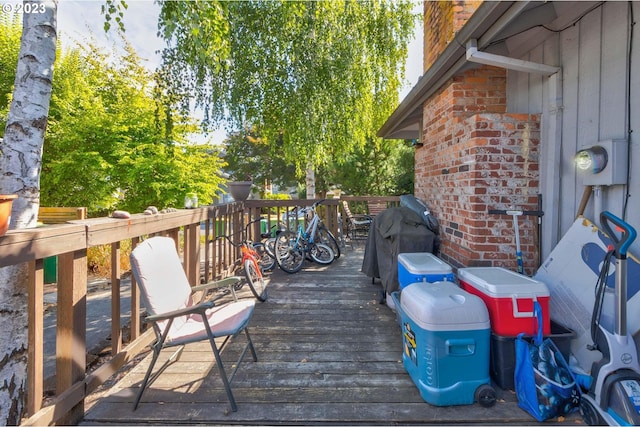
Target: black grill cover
394 231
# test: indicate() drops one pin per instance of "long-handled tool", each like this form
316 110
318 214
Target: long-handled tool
614 393
515 213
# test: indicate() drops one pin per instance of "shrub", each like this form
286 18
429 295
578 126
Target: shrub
99 259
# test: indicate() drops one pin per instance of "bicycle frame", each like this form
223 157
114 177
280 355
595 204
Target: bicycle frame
308 234
251 262
249 253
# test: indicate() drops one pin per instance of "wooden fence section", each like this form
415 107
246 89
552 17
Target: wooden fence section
190 228
371 205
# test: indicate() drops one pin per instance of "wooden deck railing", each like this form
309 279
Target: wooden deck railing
192 229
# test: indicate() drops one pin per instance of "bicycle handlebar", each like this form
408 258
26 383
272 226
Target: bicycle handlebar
237 245
306 208
245 231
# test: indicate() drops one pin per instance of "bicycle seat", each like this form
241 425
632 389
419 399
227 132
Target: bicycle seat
265 235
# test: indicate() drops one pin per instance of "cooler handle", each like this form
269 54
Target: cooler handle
517 312
460 346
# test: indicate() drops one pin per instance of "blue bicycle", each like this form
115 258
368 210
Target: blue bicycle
291 248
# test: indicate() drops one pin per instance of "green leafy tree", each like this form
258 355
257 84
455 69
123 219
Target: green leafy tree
248 154
322 76
9 47
377 169
79 138
113 141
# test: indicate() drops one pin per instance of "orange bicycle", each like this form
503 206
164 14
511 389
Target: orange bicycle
254 256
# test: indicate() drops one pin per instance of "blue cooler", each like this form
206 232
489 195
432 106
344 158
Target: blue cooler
422 267
446 340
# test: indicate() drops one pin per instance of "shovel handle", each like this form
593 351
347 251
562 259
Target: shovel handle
515 212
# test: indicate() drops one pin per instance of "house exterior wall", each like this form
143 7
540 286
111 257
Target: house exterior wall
595 97
476 157
597 101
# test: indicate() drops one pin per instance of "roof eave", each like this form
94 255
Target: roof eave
404 121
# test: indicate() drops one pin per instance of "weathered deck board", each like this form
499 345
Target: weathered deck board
328 354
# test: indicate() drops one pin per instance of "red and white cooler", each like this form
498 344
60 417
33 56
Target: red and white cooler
509 298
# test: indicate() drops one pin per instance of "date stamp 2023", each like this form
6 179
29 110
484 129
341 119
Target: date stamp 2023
23 7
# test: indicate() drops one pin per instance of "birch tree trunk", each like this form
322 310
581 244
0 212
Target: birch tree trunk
310 181
20 164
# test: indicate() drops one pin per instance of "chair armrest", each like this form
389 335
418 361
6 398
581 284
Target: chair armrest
217 284
199 308
362 217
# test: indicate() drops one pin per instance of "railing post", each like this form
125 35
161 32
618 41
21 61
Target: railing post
135 300
35 363
116 327
71 342
192 253
333 219
238 228
207 248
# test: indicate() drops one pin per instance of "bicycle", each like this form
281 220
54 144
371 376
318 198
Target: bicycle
323 234
253 254
326 237
291 248
269 242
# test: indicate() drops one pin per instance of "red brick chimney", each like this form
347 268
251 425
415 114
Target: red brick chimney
442 19
476 156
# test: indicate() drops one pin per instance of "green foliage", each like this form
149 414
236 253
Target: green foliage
321 77
113 10
11 29
114 140
377 170
248 154
277 196
99 258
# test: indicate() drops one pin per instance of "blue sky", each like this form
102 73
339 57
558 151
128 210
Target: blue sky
81 19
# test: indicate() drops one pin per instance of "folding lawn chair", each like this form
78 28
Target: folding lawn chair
357 222
175 318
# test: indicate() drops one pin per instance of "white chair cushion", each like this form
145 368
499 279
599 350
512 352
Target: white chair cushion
224 320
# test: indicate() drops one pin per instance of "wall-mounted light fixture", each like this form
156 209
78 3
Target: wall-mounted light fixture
416 143
592 159
604 163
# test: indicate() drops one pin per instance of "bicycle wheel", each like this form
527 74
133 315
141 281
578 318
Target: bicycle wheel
289 256
325 236
255 280
266 261
270 247
321 253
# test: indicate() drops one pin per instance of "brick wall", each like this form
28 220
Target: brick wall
442 20
476 157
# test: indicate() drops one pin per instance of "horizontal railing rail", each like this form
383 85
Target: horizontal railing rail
205 258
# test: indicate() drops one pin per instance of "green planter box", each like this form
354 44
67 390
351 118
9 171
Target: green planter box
50 267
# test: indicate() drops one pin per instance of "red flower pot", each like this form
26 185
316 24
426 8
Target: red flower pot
6 201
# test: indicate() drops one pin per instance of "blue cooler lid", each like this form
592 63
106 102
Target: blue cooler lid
443 306
423 263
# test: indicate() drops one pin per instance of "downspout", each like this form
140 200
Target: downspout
474 55
551 188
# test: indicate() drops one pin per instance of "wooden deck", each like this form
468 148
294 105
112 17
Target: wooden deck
328 354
